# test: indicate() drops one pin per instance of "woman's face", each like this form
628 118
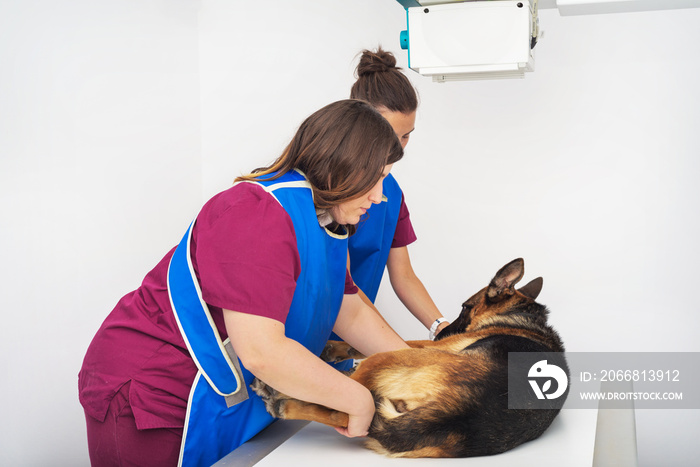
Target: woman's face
349 212
403 124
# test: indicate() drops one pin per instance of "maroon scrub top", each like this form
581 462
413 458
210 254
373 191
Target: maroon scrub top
404 234
244 253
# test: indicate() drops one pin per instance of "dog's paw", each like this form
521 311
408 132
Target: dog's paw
337 351
261 389
274 400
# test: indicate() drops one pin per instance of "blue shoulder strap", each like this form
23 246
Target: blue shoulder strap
196 324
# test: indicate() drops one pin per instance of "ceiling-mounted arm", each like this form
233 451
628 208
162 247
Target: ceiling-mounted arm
585 7
483 39
486 39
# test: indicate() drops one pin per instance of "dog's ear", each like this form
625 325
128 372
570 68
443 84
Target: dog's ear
532 289
505 279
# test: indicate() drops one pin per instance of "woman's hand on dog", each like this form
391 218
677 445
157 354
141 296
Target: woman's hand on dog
360 420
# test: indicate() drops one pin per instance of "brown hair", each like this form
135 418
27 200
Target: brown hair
342 149
381 83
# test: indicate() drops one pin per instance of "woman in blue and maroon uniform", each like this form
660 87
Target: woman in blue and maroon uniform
254 289
383 235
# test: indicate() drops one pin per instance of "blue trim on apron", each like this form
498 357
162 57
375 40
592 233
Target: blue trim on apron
192 315
212 428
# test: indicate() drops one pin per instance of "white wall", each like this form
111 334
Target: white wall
266 66
99 172
585 169
118 119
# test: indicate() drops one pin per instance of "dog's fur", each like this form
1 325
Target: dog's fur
449 397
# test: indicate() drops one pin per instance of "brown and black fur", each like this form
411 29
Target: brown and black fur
449 397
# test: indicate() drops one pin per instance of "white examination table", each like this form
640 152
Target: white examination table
577 437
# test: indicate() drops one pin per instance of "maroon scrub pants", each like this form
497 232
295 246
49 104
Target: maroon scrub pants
117 441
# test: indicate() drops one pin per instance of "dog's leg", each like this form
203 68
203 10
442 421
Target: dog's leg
282 406
337 351
293 409
453 344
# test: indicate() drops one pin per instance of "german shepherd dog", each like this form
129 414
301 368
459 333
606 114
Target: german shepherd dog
449 397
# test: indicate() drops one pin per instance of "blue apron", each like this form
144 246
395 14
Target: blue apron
221 414
370 245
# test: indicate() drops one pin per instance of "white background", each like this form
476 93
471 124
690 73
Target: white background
118 119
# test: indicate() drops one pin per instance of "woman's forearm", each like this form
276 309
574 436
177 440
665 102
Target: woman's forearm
410 289
290 368
365 329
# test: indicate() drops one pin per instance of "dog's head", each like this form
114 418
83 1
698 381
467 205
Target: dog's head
500 297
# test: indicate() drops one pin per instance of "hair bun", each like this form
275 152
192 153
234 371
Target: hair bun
376 62
381 83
